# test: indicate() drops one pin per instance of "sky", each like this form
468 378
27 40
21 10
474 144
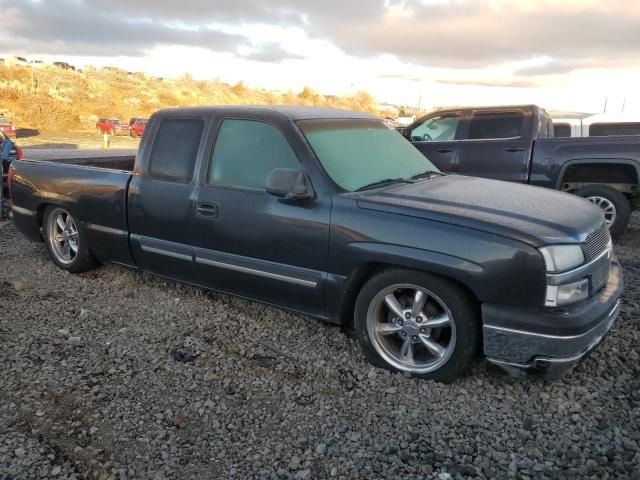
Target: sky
562 54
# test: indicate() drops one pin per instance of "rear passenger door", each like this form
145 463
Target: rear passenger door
161 198
435 137
495 145
251 243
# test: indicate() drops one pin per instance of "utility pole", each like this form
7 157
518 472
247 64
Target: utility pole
606 99
624 102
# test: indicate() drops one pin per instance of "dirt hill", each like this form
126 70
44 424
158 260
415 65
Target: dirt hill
49 98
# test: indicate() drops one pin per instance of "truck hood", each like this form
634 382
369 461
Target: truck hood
534 215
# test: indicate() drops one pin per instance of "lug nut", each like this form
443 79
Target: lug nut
423 330
407 315
400 322
403 334
415 337
419 319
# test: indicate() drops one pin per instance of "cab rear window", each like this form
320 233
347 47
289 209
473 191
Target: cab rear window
495 125
175 148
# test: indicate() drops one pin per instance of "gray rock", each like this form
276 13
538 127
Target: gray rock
294 463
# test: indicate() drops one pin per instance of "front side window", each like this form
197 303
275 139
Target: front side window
246 151
436 129
357 154
175 148
485 126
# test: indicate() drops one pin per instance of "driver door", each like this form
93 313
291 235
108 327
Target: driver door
435 136
249 242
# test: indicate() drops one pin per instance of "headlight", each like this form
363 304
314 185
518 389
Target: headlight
564 294
559 258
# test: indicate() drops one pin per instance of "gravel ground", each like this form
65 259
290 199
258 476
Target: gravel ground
90 389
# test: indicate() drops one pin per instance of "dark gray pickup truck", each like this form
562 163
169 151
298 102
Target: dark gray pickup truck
333 215
516 144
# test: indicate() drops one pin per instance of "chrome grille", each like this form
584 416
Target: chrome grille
600 274
596 242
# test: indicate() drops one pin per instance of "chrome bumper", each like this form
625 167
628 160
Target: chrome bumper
552 367
550 342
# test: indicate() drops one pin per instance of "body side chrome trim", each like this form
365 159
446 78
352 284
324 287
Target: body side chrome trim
166 253
252 271
103 229
22 211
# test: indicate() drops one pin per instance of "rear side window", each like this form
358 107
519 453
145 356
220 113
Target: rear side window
246 151
561 130
175 148
606 129
496 125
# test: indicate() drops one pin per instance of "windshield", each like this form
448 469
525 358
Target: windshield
361 153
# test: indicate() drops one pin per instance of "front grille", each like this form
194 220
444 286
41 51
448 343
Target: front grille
596 242
600 274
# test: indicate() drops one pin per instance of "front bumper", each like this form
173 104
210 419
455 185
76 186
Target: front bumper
550 342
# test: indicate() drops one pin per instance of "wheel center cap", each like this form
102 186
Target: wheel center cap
411 327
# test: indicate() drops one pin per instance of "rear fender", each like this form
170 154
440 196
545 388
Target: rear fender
609 162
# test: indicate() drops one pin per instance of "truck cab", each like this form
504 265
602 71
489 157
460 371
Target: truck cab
517 144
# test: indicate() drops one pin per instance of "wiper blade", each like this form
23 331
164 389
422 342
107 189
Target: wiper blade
381 183
428 173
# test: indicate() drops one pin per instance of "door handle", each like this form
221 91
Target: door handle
445 150
207 210
514 149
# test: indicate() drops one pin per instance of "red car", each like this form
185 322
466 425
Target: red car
112 126
137 126
7 127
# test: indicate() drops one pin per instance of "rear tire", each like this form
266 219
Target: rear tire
614 204
66 240
418 323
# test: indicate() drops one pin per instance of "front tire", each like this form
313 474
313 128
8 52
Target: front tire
417 323
66 241
615 206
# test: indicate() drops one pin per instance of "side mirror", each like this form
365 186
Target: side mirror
290 184
404 131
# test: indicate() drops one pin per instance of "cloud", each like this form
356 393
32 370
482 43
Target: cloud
61 26
430 33
468 34
476 82
271 53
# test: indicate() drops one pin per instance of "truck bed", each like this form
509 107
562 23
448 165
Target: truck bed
93 188
112 162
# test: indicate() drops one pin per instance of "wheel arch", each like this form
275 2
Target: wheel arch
362 273
615 172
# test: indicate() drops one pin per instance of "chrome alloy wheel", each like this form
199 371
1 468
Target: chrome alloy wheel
607 207
63 235
411 328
